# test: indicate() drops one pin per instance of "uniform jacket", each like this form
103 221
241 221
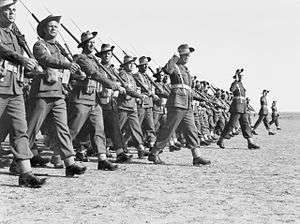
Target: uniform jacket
163 94
108 97
274 111
10 57
263 106
128 101
143 80
49 56
85 91
238 104
179 74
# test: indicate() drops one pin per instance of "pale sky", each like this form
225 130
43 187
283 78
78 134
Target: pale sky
261 36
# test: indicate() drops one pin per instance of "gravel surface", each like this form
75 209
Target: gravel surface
241 186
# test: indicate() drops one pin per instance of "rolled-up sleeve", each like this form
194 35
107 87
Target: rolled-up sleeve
95 73
45 59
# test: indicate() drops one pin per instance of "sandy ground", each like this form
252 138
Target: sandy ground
240 186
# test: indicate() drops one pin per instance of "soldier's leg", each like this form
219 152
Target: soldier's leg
77 116
234 118
112 125
246 130
15 109
149 126
174 118
135 128
257 123
67 153
266 122
38 115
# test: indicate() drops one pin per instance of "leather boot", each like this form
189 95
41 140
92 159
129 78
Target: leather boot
155 159
198 161
38 161
123 158
30 180
106 165
75 169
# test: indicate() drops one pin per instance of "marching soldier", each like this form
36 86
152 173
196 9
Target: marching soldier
127 105
275 116
12 107
145 107
84 106
179 106
238 113
48 93
263 114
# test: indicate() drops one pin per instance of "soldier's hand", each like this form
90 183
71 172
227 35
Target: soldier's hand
155 97
74 67
30 63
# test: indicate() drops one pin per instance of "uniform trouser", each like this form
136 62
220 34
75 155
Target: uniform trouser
265 120
159 120
242 118
132 120
79 115
176 117
204 124
112 128
147 123
211 122
13 118
274 120
198 124
220 124
57 108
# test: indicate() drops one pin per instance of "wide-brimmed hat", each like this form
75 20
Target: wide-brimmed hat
4 3
128 59
40 28
238 72
144 60
185 49
105 48
85 37
265 91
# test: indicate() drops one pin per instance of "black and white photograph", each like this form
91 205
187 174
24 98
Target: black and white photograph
149 112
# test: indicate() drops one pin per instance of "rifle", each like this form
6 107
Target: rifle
23 43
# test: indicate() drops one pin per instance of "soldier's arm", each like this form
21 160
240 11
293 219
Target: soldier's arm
129 91
9 55
233 86
45 59
94 73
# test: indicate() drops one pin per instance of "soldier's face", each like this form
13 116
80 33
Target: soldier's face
129 67
143 68
51 29
8 13
90 46
106 56
184 58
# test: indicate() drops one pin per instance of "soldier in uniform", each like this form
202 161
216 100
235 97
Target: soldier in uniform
127 105
238 113
108 101
12 107
263 114
145 107
179 106
275 116
48 93
84 104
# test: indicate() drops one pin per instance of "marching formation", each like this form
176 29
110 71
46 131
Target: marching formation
83 105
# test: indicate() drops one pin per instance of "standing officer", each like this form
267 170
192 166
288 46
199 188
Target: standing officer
263 114
128 107
12 107
47 91
238 113
275 116
108 101
179 107
145 107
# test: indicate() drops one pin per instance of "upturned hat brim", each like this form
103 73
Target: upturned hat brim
41 26
98 54
88 39
145 62
130 61
7 3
